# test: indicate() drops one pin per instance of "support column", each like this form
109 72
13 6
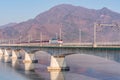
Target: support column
58 63
7 56
15 57
29 61
1 55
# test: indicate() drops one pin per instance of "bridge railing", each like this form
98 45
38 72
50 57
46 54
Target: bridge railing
77 44
108 44
98 44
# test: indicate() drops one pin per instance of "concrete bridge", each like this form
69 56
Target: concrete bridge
27 53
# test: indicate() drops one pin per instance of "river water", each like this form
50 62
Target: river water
7 72
82 67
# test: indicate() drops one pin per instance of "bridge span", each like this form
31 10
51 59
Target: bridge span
27 53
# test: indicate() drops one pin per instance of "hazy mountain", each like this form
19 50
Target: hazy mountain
8 25
71 19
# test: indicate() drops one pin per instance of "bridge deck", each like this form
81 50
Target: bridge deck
73 45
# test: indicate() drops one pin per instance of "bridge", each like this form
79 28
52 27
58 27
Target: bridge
27 53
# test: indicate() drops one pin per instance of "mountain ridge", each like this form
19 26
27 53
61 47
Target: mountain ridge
69 18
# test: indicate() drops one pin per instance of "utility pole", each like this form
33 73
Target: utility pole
9 42
13 41
56 35
20 39
29 39
94 42
60 34
41 38
95 27
80 35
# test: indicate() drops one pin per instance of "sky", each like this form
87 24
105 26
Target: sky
22 10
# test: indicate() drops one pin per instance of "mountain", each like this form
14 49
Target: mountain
75 21
8 25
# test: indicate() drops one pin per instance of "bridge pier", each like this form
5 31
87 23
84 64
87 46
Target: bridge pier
1 55
15 57
29 61
7 56
58 63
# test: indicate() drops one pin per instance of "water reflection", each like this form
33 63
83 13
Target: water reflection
20 67
15 71
32 75
82 67
7 73
29 66
56 75
15 62
1 58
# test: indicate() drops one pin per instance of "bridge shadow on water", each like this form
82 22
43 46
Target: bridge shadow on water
82 67
94 66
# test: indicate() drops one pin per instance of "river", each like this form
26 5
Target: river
82 67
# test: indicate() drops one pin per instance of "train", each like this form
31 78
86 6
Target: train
51 41
55 41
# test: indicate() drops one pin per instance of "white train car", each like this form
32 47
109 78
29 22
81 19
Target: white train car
55 41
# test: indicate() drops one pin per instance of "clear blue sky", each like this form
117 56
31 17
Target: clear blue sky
22 10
